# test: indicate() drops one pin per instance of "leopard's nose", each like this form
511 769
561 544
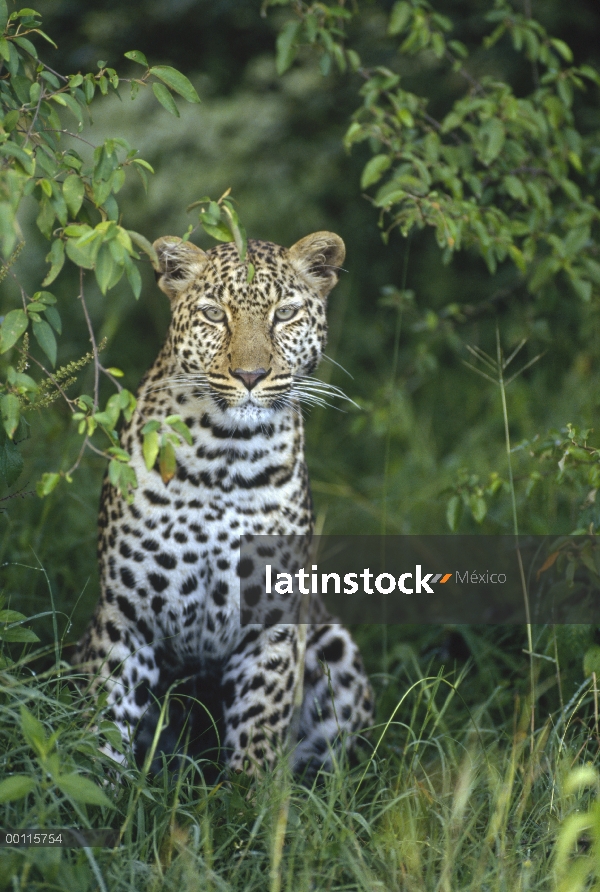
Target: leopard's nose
250 379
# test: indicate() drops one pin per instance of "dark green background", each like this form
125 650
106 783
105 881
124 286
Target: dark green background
278 143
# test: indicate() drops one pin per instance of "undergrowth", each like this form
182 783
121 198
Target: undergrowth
447 795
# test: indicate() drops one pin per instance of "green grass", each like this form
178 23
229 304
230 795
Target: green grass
452 792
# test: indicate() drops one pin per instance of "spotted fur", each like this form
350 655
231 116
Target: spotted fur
235 366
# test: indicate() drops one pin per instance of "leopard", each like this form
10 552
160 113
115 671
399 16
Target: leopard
245 336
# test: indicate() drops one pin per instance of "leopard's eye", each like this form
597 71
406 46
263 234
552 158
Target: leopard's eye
283 314
214 314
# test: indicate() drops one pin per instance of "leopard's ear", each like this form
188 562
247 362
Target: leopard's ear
179 263
318 257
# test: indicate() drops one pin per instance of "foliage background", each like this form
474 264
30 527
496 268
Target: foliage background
277 141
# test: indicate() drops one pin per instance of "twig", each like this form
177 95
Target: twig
69 401
92 339
41 97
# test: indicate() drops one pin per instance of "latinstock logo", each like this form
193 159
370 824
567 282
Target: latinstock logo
385 583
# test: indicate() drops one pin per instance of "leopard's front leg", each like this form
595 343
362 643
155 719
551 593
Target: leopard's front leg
127 669
259 681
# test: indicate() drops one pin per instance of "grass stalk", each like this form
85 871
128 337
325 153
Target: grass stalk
501 364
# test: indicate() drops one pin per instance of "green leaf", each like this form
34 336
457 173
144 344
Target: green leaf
12 118
33 732
19 785
165 98
3 14
286 48
133 277
374 170
104 268
27 46
138 57
11 462
14 325
454 512
45 218
45 338
515 188
83 255
152 425
176 81
495 135
73 192
11 616
48 482
123 477
478 508
26 160
18 635
221 231
180 427
399 18
167 462
141 242
582 287
150 448
591 661
53 317
81 789
562 49
10 409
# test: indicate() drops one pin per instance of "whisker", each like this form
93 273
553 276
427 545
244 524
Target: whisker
313 387
335 362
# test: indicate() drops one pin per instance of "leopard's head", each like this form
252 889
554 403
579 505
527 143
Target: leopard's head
248 334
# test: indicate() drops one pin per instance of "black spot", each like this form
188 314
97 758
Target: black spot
219 593
345 679
252 595
222 564
150 545
145 630
247 639
125 550
113 632
158 582
190 557
346 712
165 560
245 568
127 577
126 608
332 652
157 604
142 693
190 585
155 498
255 709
